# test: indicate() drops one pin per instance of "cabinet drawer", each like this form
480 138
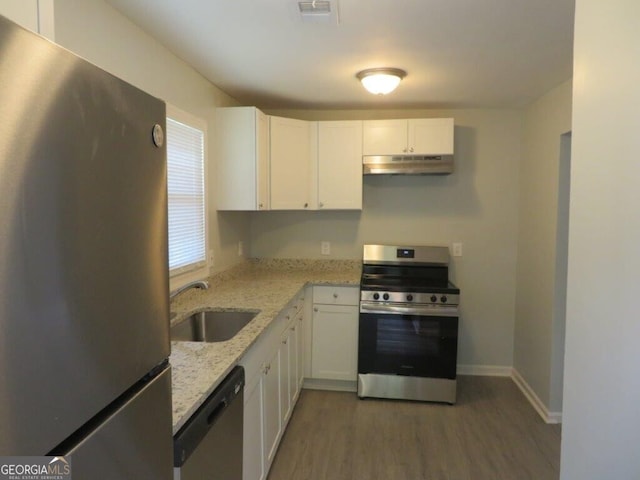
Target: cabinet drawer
333 295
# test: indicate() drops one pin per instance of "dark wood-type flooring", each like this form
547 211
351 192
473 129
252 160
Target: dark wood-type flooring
492 433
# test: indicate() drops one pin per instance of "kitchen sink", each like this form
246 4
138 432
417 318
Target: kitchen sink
212 325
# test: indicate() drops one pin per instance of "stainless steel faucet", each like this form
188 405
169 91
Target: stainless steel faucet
197 284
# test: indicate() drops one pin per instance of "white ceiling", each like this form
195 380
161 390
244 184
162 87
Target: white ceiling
458 53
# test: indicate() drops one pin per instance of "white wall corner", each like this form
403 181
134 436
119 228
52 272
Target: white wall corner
538 405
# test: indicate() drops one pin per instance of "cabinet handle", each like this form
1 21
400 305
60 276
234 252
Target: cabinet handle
411 149
260 206
335 295
284 342
293 329
321 204
315 309
306 205
404 150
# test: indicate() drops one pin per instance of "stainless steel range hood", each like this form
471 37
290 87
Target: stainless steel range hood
407 164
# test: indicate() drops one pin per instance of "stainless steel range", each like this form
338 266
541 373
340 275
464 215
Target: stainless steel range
408 328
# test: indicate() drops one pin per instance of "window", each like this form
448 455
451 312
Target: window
186 191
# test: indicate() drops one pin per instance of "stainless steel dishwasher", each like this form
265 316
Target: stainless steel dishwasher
209 445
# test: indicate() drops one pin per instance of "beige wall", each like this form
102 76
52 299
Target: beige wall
477 205
99 33
601 415
539 326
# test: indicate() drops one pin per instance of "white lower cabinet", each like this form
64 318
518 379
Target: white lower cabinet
300 345
335 333
273 370
288 386
252 456
275 367
271 407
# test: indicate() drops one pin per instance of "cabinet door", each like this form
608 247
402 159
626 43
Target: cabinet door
262 160
293 363
271 410
285 375
300 359
340 165
252 456
431 136
242 149
290 162
335 342
384 137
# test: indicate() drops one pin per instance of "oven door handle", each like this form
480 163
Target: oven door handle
421 310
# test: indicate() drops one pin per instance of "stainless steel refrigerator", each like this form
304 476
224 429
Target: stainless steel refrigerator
84 331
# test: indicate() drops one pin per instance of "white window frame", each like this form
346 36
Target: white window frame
179 277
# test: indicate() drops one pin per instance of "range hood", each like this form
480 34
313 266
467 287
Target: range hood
407 164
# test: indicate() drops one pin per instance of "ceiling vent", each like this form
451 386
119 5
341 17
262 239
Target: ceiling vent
318 11
315 7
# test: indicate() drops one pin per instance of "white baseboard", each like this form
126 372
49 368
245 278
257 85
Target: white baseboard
479 370
538 405
484 370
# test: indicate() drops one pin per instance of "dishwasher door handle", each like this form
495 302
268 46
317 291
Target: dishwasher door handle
213 416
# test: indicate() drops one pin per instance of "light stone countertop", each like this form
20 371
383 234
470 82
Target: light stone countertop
267 285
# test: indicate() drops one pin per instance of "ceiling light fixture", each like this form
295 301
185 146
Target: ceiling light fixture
381 81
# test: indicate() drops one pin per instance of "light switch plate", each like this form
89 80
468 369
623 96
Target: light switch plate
325 248
457 249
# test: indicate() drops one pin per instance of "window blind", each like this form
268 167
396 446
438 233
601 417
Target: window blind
185 187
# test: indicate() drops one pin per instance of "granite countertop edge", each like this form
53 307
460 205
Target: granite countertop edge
267 285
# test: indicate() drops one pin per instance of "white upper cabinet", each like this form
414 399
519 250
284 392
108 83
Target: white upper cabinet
428 136
431 136
242 146
275 163
384 137
340 165
291 155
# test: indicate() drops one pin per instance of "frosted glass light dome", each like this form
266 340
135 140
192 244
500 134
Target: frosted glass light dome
381 81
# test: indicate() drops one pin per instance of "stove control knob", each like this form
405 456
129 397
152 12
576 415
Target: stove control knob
385 296
409 298
434 298
376 296
443 299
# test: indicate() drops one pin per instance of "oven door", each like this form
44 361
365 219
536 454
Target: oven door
408 340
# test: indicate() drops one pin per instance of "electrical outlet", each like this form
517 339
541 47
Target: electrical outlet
325 248
457 249
240 248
